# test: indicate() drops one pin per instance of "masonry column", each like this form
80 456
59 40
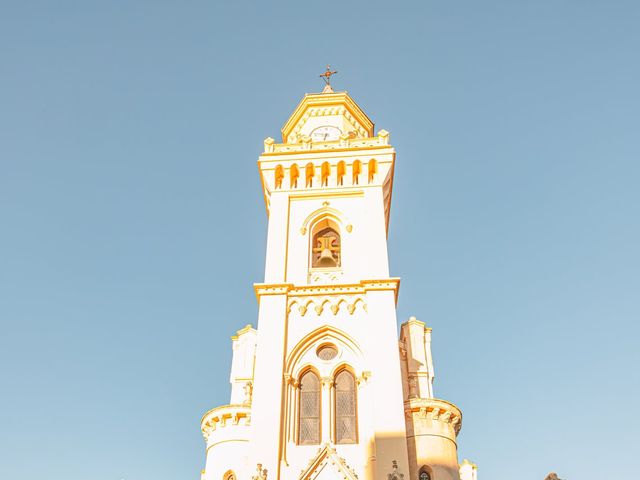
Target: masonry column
385 384
267 415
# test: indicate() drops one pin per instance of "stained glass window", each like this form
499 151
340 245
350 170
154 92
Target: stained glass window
327 352
345 408
309 409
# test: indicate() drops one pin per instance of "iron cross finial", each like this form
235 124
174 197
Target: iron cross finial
326 76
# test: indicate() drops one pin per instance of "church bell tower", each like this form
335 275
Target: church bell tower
323 388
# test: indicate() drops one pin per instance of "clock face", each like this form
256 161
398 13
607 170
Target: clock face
326 133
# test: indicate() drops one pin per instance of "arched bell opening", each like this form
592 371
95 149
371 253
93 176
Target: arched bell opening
325 244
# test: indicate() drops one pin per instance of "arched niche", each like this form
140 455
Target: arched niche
326 244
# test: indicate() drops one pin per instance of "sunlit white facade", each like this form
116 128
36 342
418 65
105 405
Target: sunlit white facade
324 388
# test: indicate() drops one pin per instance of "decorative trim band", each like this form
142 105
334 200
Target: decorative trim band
347 289
304 303
271 289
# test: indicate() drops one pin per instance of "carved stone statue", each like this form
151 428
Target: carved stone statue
552 476
248 393
395 474
261 473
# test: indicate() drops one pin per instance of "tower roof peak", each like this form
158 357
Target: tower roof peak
326 76
337 109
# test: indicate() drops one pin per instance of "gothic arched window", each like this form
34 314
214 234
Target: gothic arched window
425 473
325 245
309 409
346 408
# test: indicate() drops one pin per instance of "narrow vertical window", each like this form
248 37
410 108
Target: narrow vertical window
345 408
325 171
309 421
356 170
294 174
279 175
373 169
340 172
310 172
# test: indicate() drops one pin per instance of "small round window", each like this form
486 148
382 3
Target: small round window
327 352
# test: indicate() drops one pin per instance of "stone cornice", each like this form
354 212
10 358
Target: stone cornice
292 291
263 289
311 149
434 409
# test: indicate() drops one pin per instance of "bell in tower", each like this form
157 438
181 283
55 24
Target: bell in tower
326 250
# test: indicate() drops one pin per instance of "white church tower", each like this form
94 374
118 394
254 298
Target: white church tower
324 389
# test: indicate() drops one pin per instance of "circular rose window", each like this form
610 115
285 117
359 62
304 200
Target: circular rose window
327 352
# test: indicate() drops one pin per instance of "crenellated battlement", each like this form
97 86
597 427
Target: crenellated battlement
425 411
225 422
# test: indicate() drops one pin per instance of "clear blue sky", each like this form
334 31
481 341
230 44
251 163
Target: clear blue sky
133 223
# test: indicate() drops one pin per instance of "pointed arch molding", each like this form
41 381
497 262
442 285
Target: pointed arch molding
325 212
322 334
327 458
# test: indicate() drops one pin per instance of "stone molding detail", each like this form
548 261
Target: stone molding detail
326 456
225 416
261 473
348 289
395 473
325 277
324 112
318 304
378 143
271 289
420 409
